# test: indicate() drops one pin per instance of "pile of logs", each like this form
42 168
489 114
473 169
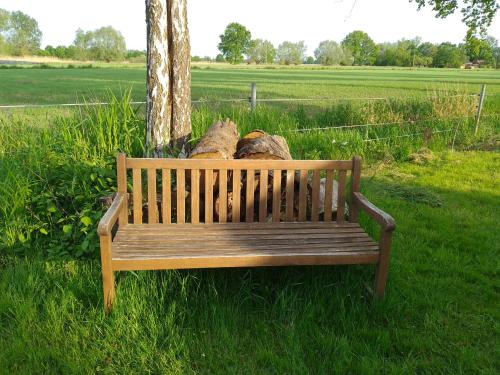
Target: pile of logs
222 141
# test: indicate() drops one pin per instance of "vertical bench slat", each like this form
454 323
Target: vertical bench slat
249 195
276 195
122 186
303 195
152 205
209 195
263 196
137 195
223 196
195 196
236 195
355 186
341 197
181 196
328 195
290 176
315 197
166 197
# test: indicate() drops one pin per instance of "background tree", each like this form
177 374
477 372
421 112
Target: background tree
495 49
329 52
479 50
363 49
220 58
82 44
309 60
261 52
477 14
107 44
448 56
235 42
427 51
23 34
4 19
291 53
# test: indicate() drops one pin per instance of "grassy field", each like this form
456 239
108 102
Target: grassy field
441 313
44 86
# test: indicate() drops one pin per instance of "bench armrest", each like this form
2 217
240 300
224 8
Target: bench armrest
111 216
384 219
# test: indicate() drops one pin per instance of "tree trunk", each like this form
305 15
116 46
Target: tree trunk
169 76
159 115
180 58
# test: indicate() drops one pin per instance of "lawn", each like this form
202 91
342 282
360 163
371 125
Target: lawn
441 312
440 315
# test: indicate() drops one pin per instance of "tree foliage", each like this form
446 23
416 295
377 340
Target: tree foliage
289 53
479 50
105 44
330 52
448 55
19 33
363 49
477 14
261 52
235 42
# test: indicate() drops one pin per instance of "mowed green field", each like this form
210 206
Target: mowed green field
61 85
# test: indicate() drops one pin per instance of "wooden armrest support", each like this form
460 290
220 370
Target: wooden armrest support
384 219
111 216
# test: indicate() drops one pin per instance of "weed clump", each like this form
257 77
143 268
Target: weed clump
421 157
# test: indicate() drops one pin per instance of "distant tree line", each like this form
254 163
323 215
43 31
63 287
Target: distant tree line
357 48
20 35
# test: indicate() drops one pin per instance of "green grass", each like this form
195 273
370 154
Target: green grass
440 315
45 86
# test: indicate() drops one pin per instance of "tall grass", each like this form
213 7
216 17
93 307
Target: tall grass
54 170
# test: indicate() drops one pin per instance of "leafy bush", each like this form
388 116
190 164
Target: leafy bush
52 177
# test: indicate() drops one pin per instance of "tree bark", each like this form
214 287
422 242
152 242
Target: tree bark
168 77
159 115
180 61
263 146
219 142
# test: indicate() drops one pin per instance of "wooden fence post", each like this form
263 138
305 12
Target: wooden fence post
253 96
480 106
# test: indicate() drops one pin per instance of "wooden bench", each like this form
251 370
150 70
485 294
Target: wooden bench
273 232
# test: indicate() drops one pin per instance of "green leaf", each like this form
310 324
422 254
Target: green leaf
43 231
85 220
52 209
21 237
67 228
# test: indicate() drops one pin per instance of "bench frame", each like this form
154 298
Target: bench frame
118 212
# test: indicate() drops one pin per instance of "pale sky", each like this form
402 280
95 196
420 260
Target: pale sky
275 20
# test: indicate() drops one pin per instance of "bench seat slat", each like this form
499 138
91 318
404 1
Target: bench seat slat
225 245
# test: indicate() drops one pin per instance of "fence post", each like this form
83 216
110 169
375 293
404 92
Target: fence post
253 96
480 106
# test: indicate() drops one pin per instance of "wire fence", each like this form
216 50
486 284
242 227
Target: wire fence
253 100
233 100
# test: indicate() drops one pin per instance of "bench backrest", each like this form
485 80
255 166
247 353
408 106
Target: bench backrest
205 191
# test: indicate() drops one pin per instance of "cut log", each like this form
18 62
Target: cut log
248 138
264 147
219 142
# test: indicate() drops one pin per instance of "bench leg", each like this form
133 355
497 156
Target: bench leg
383 264
380 279
108 279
